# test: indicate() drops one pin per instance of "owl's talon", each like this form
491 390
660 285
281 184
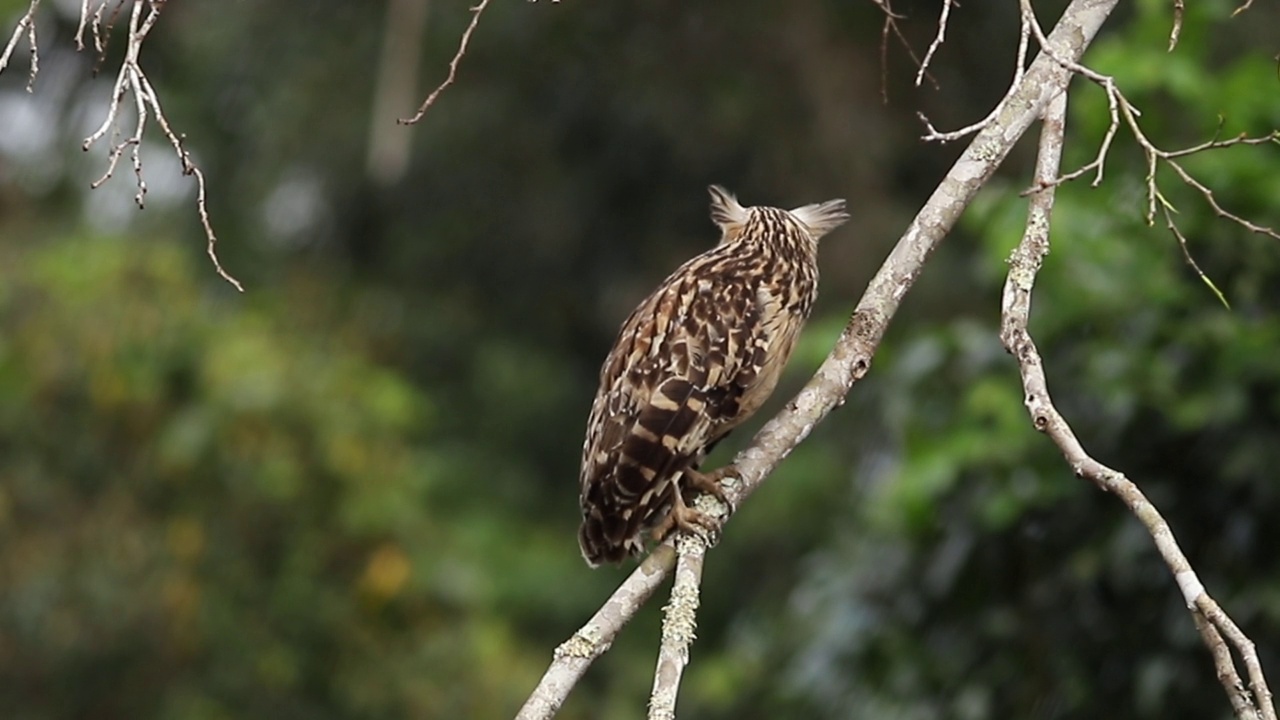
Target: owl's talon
683 517
710 483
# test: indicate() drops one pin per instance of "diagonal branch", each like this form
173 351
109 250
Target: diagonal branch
851 358
1251 703
575 655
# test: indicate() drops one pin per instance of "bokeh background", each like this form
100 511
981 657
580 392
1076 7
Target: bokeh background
351 492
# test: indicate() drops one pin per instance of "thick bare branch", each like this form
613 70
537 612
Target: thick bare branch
1024 263
576 654
851 358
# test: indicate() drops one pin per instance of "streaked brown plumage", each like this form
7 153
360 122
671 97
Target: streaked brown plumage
694 360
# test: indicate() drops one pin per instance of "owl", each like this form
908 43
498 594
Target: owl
697 358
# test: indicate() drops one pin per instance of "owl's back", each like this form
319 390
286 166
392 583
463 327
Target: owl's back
694 360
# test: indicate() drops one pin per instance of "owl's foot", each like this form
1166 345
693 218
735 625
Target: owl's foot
685 518
710 482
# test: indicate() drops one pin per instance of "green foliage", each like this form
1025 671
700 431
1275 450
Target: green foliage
212 511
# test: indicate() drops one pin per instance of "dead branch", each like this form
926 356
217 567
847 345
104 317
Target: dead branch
891 19
1249 703
1179 8
1121 109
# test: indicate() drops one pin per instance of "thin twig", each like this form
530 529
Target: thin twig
26 26
934 135
1218 210
476 12
576 654
1178 9
938 39
1168 211
891 19
84 18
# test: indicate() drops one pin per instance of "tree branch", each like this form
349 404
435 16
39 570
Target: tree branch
1024 264
680 616
576 654
132 79
1020 65
849 361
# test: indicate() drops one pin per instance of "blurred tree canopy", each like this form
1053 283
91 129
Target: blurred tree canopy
351 492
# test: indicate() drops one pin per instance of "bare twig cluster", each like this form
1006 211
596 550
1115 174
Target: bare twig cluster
1121 111
1119 108
1251 701
99 17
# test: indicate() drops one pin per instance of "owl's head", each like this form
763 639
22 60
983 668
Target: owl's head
732 218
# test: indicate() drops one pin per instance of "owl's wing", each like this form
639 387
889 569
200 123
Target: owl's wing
671 386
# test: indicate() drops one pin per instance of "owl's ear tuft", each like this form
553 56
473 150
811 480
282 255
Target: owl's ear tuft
822 218
725 210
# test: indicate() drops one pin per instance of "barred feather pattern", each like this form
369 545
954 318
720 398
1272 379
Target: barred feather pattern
696 359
